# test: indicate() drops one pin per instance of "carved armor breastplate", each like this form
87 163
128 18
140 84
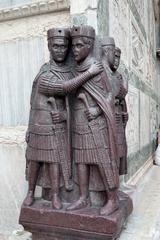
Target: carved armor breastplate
41 107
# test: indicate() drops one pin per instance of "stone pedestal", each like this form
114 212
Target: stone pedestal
48 224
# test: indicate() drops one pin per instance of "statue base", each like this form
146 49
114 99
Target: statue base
47 224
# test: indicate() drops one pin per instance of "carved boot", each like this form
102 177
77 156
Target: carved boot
29 200
111 205
79 204
56 202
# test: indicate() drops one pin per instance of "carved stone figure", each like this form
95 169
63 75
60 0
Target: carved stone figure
111 61
94 140
121 113
48 136
47 124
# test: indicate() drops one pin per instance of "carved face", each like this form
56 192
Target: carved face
58 48
110 55
81 48
117 60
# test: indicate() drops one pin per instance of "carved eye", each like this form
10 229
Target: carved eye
55 46
79 45
63 47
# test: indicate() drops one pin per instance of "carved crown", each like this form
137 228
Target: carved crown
107 41
83 31
58 32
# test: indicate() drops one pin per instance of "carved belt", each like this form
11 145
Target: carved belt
81 129
46 129
80 105
60 107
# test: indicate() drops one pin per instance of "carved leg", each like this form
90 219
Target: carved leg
54 172
32 179
112 203
112 194
83 176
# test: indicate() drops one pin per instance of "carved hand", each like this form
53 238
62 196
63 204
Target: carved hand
58 117
95 69
125 118
92 113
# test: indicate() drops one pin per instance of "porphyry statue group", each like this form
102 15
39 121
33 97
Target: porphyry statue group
76 131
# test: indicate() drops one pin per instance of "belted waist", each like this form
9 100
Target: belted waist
59 104
41 109
80 105
47 129
99 123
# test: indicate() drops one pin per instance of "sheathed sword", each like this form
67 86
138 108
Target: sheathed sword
60 148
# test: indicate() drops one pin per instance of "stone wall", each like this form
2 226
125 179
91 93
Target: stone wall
132 23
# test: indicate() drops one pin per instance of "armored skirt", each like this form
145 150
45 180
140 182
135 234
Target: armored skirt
121 140
122 145
47 143
91 146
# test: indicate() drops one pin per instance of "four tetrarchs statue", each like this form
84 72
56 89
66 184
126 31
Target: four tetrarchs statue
76 134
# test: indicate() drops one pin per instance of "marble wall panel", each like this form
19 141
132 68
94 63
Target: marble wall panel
132 130
144 120
142 9
119 16
138 49
153 119
20 61
151 26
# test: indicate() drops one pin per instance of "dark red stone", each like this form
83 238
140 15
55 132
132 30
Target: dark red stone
46 223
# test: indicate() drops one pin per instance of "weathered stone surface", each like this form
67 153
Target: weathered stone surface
75 225
119 25
144 120
13 185
144 221
20 235
103 17
132 130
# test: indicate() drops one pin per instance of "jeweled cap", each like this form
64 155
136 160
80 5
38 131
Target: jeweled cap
107 41
83 31
58 32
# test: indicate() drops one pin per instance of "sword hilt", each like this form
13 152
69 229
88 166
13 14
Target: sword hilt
83 97
52 101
